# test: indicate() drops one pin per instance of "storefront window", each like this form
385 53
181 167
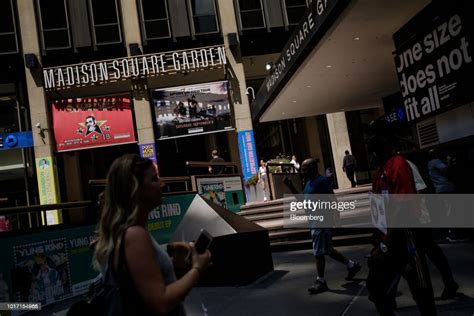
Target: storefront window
204 16
8 115
105 22
15 169
155 21
295 10
8 43
251 14
54 25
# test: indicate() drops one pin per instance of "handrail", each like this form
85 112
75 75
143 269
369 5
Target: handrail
208 163
45 207
205 164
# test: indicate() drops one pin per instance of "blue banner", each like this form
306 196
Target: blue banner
16 140
248 153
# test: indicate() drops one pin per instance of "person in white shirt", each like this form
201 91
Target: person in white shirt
295 164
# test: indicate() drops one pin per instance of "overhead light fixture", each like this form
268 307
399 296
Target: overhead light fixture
357 38
308 86
328 66
294 101
283 113
269 66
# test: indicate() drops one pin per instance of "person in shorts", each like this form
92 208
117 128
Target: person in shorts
322 237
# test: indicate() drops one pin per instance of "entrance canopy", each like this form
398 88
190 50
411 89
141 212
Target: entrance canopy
340 60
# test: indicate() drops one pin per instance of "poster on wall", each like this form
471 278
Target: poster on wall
92 122
47 188
190 110
434 63
42 271
248 154
226 192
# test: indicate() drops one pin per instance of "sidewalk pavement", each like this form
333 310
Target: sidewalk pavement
284 291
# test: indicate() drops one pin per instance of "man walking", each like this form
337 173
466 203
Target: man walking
319 187
349 166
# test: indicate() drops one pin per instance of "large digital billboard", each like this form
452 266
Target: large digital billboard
92 122
190 110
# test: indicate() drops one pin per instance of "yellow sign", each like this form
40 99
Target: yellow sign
47 188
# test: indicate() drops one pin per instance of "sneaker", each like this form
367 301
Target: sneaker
449 292
319 286
351 272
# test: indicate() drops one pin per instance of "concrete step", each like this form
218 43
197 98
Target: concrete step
338 241
262 209
252 205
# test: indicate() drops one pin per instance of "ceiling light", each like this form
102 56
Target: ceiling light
294 101
268 66
308 86
283 113
357 38
328 66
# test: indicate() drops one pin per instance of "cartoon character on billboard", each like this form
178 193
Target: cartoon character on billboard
92 125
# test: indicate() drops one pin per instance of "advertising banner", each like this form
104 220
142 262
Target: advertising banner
248 154
47 183
224 191
148 151
92 122
47 267
434 62
44 266
51 266
190 110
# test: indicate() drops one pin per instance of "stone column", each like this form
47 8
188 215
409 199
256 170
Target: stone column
43 146
340 142
141 102
242 114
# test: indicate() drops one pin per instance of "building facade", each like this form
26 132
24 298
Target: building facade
90 80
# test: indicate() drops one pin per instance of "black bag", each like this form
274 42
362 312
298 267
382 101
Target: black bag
112 294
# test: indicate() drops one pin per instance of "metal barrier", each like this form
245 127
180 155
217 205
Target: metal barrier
205 164
33 217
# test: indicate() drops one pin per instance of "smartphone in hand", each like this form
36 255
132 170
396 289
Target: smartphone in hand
202 243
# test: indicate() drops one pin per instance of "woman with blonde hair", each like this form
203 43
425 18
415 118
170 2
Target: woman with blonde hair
126 251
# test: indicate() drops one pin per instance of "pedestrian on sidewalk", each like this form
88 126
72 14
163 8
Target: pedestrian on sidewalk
349 167
295 164
129 255
262 178
432 249
317 186
399 252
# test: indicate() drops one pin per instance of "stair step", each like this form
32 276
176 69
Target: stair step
286 233
269 209
307 243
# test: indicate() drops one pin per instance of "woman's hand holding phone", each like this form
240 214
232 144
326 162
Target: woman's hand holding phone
200 261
